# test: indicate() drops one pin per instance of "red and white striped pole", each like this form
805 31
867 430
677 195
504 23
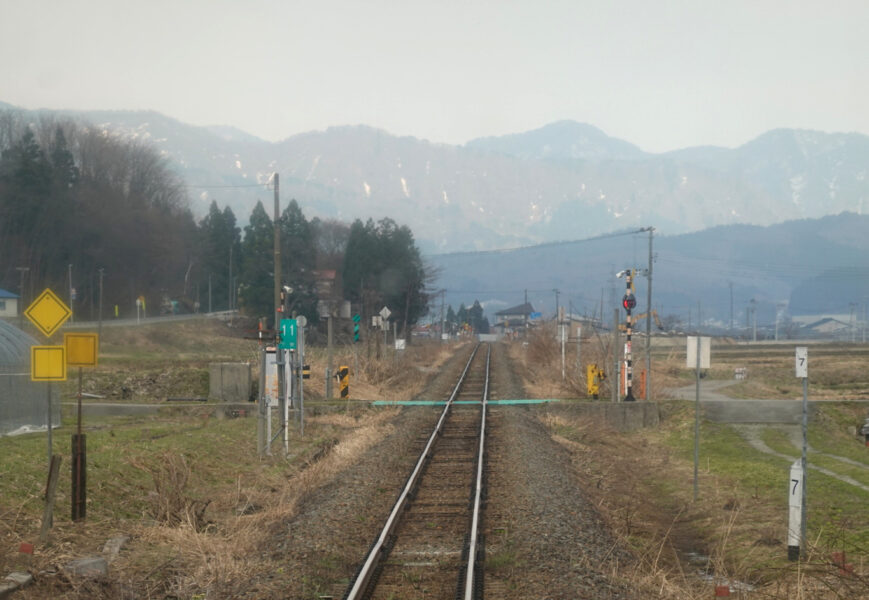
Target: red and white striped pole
629 302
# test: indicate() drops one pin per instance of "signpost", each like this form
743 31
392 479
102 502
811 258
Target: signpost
48 312
82 350
384 324
49 363
797 498
697 355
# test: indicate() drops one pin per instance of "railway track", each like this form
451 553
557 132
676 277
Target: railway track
430 545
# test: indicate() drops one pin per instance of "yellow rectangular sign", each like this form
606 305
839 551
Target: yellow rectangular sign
81 349
48 363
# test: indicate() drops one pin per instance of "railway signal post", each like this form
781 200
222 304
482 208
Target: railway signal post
629 302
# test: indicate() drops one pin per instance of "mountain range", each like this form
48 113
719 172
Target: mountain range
801 267
564 181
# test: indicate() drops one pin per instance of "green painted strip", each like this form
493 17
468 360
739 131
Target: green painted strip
442 402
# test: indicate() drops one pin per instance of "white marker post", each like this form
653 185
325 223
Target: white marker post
697 356
796 493
801 364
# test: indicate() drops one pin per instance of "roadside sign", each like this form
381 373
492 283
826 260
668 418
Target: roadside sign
47 363
691 354
48 312
288 334
384 313
802 361
81 349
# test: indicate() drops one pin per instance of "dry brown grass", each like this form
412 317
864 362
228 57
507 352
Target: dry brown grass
540 360
170 502
218 559
645 494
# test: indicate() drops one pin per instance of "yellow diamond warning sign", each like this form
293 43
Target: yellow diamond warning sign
48 312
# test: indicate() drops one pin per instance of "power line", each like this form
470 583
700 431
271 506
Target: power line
245 185
544 245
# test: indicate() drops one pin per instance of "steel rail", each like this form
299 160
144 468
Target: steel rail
375 554
473 547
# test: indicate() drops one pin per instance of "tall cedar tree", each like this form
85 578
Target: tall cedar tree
256 289
298 262
383 267
220 253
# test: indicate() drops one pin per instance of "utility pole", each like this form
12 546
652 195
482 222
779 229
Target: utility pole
100 328
616 377
864 320
731 306
443 316
754 320
71 309
277 265
229 287
329 355
557 292
21 304
649 319
851 323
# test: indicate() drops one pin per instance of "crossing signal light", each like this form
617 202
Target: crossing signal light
629 301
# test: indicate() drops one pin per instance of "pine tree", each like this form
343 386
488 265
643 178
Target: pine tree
256 287
298 260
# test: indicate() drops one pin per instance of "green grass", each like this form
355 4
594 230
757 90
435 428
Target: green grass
119 451
724 452
504 559
838 512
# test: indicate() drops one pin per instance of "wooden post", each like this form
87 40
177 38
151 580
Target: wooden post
51 488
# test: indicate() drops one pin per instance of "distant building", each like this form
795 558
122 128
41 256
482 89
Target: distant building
8 304
513 319
828 327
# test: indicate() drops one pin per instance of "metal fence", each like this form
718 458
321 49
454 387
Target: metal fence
23 403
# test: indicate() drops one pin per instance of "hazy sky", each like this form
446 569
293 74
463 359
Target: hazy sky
662 75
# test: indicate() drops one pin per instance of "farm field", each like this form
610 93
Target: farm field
207 518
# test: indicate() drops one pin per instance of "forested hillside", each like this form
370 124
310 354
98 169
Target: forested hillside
78 204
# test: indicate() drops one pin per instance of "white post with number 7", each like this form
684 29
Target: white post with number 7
797 498
802 361
795 510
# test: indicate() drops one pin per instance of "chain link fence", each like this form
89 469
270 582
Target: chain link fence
23 403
